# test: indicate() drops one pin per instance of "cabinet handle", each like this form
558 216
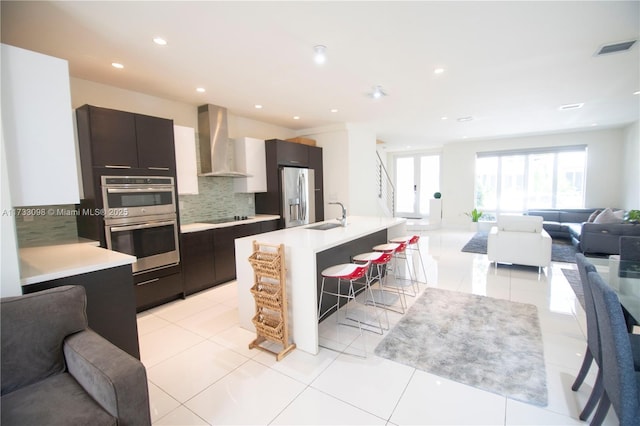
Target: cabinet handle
149 281
294 162
115 166
158 168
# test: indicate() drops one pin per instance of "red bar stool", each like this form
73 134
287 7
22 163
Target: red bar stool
413 246
398 251
381 297
350 272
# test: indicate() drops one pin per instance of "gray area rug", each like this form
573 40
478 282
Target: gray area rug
487 343
561 250
573 277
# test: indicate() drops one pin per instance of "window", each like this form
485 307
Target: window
514 181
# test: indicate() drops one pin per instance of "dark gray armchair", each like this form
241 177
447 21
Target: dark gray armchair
56 371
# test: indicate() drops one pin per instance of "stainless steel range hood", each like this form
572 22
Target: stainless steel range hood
216 150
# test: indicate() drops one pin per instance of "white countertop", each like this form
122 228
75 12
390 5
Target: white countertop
317 240
200 226
44 263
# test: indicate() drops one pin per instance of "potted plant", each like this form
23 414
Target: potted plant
475 215
632 216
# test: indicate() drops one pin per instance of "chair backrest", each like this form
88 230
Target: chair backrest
618 374
593 336
34 327
516 223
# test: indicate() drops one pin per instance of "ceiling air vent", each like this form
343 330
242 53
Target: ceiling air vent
616 47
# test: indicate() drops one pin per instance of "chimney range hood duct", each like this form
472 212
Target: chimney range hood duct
216 150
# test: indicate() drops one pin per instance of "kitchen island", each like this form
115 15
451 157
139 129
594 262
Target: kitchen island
307 252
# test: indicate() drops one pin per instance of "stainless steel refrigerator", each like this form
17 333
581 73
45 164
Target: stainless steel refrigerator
297 192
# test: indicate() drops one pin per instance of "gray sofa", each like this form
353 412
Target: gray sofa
588 237
56 371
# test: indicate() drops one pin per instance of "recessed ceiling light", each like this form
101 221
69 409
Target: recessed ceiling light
377 92
334 110
160 41
200 90
465 119
117 65
444 117
296 117
258 106
320 56
637 92
594 124
571 106
438 70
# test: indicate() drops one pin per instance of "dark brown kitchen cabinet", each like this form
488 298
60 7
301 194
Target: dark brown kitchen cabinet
107 137
111 308
119 139
158 286
198 270
291 153
209 256
281 153
225 250
315 163
155 143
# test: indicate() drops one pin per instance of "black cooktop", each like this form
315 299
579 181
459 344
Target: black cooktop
227 219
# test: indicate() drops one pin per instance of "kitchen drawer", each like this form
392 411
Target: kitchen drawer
157 287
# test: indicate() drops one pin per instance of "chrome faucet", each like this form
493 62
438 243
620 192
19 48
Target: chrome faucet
343 219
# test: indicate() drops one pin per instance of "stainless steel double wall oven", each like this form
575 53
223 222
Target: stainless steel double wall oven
140 219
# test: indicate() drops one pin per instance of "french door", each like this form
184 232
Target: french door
417 178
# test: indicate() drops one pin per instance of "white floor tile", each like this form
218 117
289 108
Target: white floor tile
211 321
299 365
164 343
431 400
373 384
313 407
237 339
181 416
160 402
251 394
193 370
150 323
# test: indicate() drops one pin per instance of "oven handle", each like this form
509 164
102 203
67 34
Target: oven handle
135 190
141 226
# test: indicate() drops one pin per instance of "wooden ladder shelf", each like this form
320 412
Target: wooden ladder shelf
270 294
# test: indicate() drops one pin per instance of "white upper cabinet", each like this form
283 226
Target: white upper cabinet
186 163
250 159
37 126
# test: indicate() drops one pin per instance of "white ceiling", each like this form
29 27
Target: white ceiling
509 65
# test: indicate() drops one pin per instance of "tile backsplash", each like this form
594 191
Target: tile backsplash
216 200
46 225
56 224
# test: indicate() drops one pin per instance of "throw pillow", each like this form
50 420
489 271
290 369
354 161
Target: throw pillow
609 216
593 215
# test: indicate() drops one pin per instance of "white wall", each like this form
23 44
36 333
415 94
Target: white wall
362 172
604 174
335 163
631 167
88 92
9 265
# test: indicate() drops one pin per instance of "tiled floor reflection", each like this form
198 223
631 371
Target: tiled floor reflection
201 371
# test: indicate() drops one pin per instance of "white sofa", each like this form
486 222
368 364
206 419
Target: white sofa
519 240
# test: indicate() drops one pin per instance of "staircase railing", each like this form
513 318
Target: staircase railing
386 190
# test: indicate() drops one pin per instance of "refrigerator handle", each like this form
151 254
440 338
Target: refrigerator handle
303 198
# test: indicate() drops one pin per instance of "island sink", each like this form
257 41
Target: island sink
324 226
